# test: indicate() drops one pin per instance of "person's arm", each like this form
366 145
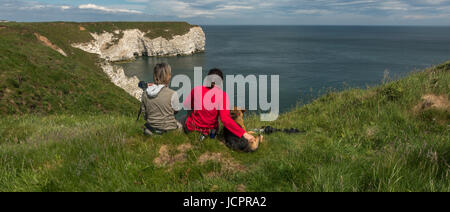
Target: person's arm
175 103
229 123
189 102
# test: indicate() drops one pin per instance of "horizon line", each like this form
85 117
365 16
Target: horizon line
365 25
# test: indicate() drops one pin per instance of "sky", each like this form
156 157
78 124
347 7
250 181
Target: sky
234 12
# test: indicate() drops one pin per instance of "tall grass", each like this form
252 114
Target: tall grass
355 140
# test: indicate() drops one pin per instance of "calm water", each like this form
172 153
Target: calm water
310 59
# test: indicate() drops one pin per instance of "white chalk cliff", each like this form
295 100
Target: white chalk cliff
132 44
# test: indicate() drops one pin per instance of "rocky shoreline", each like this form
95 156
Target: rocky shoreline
126 45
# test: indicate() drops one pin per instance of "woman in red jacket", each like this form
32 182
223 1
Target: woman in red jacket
205 111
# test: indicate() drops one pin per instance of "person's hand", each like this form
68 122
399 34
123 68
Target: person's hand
250 138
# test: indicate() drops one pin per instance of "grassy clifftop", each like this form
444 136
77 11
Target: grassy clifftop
393 137
35 78
153 29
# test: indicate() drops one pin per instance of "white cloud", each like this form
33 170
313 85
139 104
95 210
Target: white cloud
43 6
106 9
65 7
434 1
352 3
138 1
199 8
234 7
236 11
311 12
393 5
424 17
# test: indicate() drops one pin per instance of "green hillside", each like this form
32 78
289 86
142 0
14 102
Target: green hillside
393 137
36 79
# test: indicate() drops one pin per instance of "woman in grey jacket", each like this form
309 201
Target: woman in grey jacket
160 103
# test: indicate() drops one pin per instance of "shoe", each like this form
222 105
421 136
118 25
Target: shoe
147 132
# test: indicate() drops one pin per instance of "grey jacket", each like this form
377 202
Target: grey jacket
159 104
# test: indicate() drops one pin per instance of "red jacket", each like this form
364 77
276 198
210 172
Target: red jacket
206 111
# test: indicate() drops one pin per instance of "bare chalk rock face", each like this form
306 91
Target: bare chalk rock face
117 75
128 44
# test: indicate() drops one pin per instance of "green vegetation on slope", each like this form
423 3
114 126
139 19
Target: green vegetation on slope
37 79
357 140
153 29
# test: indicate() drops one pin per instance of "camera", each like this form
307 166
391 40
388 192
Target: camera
143 85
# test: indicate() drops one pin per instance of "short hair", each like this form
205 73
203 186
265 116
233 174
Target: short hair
162 74
213 73
216 71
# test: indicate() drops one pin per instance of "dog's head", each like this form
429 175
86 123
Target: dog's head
237 113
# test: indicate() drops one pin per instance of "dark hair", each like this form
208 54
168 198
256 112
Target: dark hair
216 71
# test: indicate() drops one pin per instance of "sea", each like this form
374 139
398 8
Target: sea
310 60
